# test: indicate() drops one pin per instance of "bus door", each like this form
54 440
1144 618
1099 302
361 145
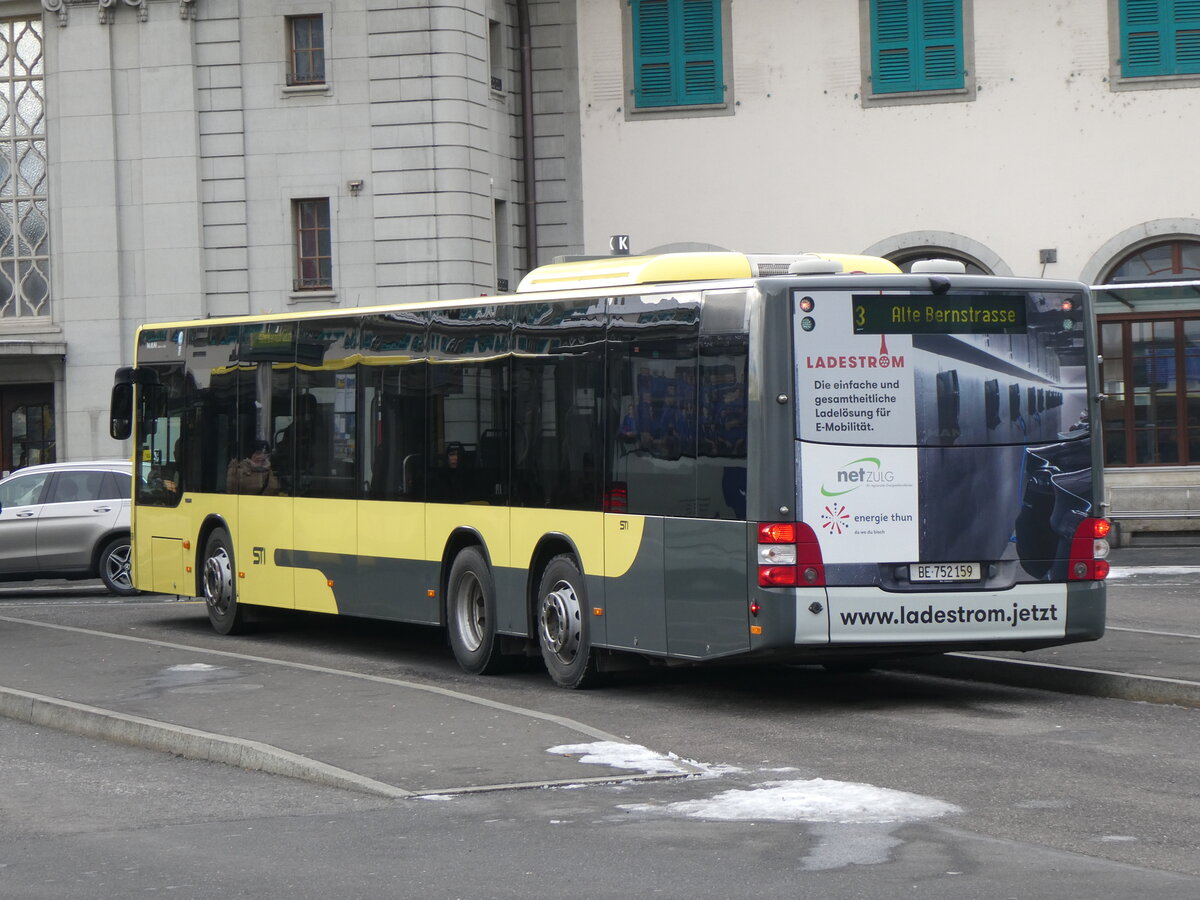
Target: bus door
318 444
257 473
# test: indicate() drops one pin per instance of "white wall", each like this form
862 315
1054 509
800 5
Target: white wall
1045 156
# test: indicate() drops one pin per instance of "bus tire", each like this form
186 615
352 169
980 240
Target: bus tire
471 614
219 579
564 634
114 567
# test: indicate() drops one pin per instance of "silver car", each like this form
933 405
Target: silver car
67 520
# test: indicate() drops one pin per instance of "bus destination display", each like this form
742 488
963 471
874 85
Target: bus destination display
948 314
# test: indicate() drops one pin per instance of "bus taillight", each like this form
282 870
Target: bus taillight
789 556
616 498
1089 548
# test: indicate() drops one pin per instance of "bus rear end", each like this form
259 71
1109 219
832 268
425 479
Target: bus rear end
945 468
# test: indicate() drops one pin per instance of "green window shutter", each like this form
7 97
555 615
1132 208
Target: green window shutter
892 28
700 61
677 52
1143 50
916 45
652 53
1187 37
941 45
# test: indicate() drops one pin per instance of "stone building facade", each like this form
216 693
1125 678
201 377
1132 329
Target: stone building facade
172 159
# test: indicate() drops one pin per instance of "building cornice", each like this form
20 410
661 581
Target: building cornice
106 9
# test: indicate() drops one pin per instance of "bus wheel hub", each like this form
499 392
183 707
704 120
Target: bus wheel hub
560 621
218 581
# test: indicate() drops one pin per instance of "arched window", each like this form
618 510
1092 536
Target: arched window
906 257
1174 260
1151 370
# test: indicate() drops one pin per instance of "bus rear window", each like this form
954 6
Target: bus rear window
963 368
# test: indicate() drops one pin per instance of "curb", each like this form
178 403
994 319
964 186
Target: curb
256 756
1061 679
191 743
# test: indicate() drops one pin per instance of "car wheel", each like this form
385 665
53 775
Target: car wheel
471 614
220 586
114 566
562 626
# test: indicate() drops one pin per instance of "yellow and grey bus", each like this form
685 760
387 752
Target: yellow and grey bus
697 458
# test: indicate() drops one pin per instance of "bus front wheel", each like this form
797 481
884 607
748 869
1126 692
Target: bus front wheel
220 586
562 624
471 614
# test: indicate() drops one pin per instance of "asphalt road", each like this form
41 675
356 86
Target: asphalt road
879 785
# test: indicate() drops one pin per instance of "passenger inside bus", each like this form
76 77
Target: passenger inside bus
453 478
252 475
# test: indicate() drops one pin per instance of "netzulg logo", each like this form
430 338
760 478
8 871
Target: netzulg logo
857 473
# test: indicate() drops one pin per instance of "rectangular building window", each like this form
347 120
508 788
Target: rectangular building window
496 57
1151 375
306 50
916 45
314 253
677 53
1160 37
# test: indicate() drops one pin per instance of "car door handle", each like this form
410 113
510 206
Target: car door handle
25 515
101 509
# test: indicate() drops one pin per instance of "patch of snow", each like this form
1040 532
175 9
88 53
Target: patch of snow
810 800
636 757
192 667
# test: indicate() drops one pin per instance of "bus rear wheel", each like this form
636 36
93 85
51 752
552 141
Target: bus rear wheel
471 614
562 624
220 587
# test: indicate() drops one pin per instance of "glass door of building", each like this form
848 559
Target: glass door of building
26 425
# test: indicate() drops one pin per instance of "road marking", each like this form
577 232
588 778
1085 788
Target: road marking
1158 633
1037 664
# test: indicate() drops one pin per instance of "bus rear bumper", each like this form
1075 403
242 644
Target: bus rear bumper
1025 615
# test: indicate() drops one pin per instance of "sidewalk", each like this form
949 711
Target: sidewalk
379 735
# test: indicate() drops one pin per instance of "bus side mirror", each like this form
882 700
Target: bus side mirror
120 416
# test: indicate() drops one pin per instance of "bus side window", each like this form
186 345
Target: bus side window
558 391
159 475
392 431
469 395
722 426
653 351
321 441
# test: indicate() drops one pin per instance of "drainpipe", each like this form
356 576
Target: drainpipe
527 152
